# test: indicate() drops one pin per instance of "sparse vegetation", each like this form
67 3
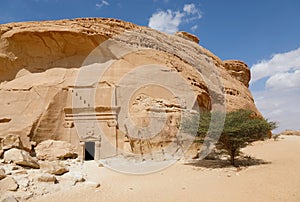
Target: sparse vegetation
240 128
275 136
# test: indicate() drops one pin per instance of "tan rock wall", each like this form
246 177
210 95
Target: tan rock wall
40 61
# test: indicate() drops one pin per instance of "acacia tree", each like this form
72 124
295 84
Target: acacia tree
240 128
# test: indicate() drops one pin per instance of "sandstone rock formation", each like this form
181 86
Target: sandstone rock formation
2 173
291 132
46 177
11 141
188 36
238 70
24 183
20 157
54 167
55 150
8 184
39 86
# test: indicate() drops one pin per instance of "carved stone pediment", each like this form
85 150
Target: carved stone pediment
68 124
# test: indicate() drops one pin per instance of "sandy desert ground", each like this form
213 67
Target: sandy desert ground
278 179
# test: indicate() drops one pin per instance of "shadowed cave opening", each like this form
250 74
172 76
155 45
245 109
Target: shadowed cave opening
89 151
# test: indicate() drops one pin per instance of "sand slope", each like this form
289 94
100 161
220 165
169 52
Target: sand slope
277 181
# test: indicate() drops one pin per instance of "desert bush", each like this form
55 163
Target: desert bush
240 128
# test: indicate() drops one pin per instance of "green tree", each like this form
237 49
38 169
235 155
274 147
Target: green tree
240 128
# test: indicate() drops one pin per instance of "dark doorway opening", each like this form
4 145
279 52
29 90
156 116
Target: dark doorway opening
89 151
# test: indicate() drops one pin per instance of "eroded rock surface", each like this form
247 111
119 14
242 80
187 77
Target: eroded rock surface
55 150
291 132
188 36
2 173
46 177
20 157
8 184
54 167
24 183
11 141
40 62
238 70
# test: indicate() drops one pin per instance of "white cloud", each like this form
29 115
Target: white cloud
281 106
169 21
192 12
284 80
282 62
279 98
102 3
193 28
281 71
166 21
190 9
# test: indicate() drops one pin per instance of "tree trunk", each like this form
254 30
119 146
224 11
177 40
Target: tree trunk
232 157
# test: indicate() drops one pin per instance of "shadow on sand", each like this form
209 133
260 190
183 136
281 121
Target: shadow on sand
219 163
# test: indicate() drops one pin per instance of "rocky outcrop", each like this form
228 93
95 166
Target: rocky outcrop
21 158
54 167
188 36
8 184
291 132
11 141
238 70
2 173
38 46
45 177
55 150
40 62
24 183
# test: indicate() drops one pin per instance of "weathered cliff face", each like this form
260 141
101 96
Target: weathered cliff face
40 63
238 70
38 46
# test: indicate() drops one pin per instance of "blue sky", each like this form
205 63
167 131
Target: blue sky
263 33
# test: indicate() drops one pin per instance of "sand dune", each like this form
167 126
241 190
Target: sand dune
278 180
